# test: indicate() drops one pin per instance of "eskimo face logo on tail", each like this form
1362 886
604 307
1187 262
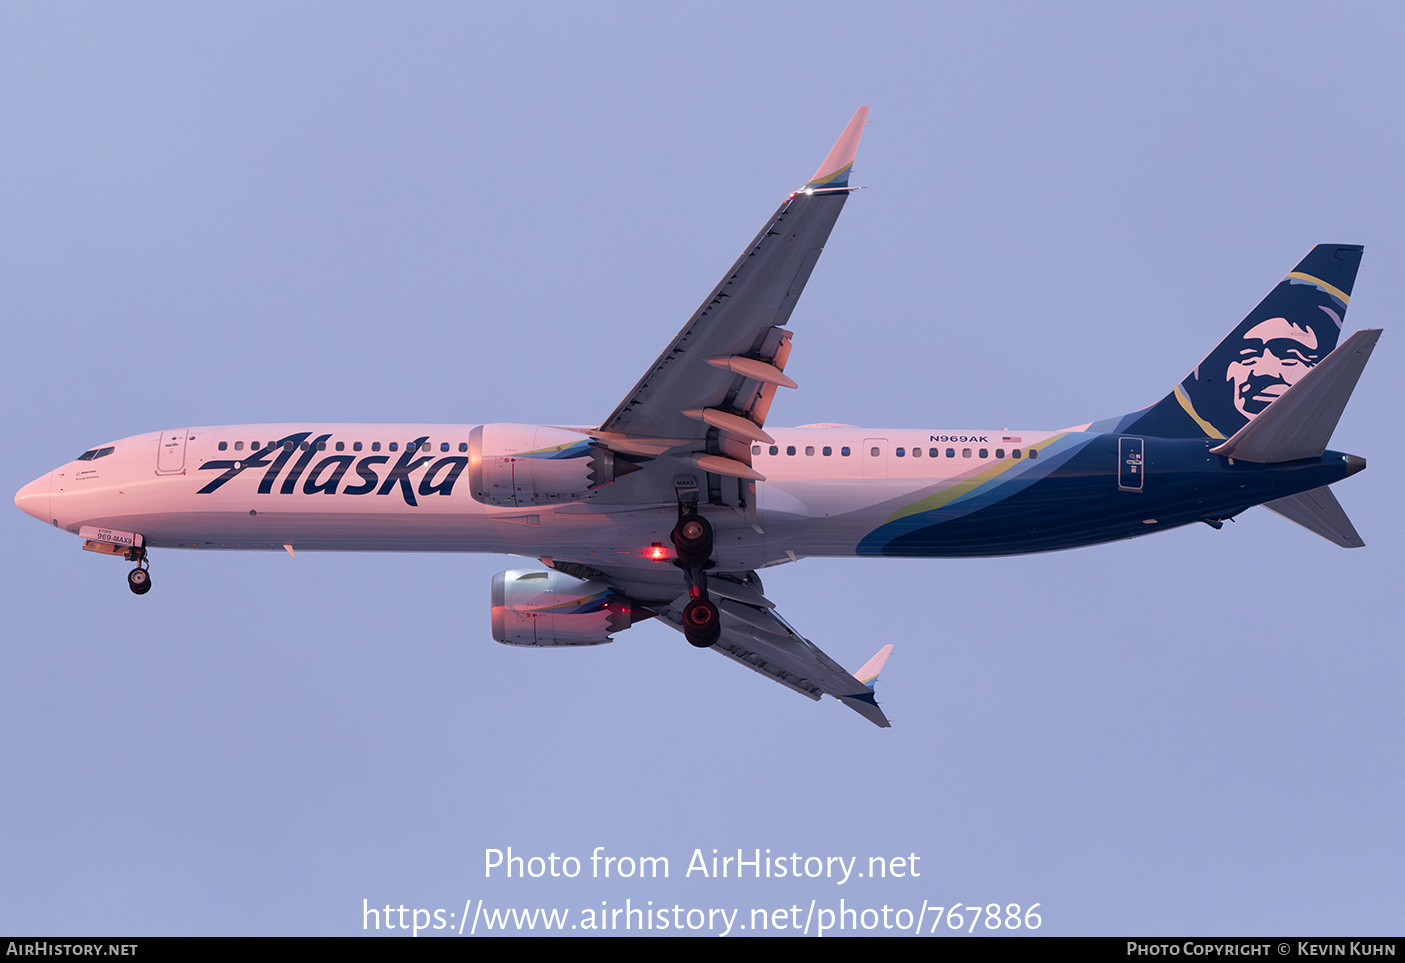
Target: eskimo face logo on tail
1280 341
1275 355
324 477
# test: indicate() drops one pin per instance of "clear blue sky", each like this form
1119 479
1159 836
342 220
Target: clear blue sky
233 213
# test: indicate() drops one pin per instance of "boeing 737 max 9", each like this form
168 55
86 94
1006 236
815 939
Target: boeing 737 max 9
670 506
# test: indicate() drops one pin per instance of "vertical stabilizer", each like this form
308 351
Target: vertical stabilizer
1293 328
1301 423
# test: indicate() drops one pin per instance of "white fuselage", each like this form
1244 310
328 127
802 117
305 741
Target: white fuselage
361 487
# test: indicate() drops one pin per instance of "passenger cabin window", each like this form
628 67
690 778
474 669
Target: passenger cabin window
395 446
965 453
224 446
238 446
844 452
443 446
900 452
375 446
790 449
809 449
985 453
463 446
756 449
951 453
826 451
1014 453
1033 453
775 450
873 452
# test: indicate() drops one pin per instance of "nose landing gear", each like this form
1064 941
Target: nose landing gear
139 579
128 545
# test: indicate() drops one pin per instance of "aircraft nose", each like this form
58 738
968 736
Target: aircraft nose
33 499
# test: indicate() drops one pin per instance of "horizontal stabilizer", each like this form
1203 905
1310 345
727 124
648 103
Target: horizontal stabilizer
1318 511
1300 423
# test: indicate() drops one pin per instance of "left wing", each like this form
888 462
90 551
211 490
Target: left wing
707 395
754 635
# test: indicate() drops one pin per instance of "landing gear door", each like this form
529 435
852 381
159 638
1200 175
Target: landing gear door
1130 464
170 459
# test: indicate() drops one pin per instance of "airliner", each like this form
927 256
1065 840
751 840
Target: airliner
671 506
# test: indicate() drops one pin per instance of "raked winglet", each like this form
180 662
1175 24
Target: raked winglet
834 172
868 675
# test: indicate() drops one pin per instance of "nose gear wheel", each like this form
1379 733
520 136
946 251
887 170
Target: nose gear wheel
139 578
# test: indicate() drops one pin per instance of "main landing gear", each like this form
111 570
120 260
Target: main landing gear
702 623
692 538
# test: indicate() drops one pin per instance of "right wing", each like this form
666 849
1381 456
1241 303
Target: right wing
705 399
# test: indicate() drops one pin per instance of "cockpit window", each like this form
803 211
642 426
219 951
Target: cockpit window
93 453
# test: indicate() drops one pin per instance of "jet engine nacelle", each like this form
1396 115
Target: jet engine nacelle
521 465
552 609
